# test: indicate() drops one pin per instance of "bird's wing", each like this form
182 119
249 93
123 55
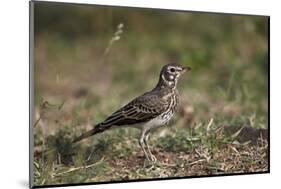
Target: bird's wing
139 110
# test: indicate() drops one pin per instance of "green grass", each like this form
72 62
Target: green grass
115 155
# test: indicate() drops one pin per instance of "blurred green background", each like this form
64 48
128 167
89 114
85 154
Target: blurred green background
228 55
91 60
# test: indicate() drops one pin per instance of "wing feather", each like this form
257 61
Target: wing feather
137 111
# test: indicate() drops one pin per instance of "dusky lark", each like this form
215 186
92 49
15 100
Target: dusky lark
151 110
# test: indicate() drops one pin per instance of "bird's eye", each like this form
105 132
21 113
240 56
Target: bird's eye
172 70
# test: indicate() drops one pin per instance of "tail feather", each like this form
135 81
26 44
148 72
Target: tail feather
97 129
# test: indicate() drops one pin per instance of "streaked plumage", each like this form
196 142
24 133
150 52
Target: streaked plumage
148 111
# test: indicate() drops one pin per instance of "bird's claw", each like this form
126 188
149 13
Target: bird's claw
153 158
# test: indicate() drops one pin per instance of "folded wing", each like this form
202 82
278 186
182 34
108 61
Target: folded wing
137 111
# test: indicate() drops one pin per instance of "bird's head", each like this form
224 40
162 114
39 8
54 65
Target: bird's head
170 74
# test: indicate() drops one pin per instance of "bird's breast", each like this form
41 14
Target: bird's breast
172 100
159 121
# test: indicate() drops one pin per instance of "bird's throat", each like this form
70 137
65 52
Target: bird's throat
166 83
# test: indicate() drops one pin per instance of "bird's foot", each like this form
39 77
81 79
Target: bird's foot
153 158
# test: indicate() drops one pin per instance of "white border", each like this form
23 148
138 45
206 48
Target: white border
14 92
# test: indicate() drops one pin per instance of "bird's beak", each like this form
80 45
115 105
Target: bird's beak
185 69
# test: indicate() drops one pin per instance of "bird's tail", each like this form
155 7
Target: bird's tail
97 129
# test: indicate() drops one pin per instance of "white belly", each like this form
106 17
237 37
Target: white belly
159 121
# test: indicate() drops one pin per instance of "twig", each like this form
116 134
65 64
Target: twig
78 168
116 37
209 125
200 160
237 133
45 105
37 121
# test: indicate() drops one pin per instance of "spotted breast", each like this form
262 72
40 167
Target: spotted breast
165 117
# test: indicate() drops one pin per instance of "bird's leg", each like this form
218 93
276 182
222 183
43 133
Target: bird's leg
142 144
152 157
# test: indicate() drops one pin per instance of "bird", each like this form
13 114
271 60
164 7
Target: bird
151 110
